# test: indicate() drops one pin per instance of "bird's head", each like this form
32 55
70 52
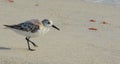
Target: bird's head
49 23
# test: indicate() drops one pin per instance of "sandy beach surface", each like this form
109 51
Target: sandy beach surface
90 33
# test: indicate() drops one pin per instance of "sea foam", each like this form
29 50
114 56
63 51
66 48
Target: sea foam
117 2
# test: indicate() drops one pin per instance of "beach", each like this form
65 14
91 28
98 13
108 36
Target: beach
89 32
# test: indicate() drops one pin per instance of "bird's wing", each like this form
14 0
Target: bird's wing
26 26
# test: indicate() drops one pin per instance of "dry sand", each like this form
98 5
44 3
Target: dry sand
74 44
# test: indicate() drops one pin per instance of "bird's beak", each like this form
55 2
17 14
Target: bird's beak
55 27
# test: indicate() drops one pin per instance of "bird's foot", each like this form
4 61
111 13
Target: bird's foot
35 45
32 49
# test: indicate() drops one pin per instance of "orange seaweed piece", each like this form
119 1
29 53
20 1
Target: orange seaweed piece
92 20
93 28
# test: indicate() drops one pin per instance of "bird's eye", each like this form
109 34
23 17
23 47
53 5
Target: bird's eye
48 22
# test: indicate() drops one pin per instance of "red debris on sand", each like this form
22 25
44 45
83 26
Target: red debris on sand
93 28
104 22
11 1
92 20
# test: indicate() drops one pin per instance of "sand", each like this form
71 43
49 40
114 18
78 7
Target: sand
74 44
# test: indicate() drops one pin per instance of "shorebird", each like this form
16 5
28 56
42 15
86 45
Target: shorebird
32 28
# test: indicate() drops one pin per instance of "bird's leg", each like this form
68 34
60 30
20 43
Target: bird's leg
33 43
29 44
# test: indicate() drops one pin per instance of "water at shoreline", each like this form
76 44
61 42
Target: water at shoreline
110 2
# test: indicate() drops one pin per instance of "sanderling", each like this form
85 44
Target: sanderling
32 28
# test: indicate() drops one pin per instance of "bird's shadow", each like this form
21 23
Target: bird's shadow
5 48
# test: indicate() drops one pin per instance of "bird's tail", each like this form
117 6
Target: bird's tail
7 26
